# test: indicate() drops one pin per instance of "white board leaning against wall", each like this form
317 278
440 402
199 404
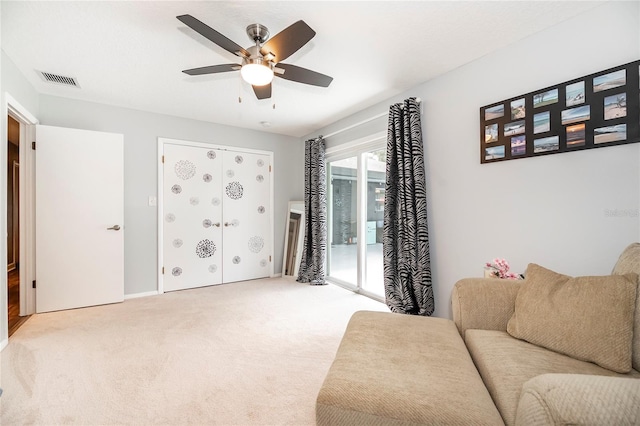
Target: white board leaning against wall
215 217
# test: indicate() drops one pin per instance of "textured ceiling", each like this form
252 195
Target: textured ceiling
131 54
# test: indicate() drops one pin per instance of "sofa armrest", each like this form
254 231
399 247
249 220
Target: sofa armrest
578 399
483 303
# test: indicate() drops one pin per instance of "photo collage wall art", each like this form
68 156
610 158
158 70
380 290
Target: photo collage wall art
594 111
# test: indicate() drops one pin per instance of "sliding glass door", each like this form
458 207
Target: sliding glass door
356 209
375 173
343 234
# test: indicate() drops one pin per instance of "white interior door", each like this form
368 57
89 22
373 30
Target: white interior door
246 216
79 218
192 209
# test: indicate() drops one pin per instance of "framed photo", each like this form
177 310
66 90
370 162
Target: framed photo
610 134
519 145
494 152
491 133
551 143
615 106
542 122
610 81
574 115
593 111
545 98
494 112
517 109
575 135
574 94
514 128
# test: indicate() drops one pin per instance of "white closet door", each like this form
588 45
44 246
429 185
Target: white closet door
246 218
192 208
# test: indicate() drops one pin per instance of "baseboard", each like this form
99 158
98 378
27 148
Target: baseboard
276 275
137 295
4 344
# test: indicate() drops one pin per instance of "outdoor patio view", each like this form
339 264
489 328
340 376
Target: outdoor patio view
345 219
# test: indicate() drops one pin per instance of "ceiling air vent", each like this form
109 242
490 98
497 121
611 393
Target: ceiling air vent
58 79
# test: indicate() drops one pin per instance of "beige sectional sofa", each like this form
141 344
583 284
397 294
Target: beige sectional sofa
550 349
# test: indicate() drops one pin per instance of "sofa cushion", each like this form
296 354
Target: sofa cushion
483 303
505 364
588 318
629 261
394 369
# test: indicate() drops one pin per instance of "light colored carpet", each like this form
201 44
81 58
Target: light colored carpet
253 352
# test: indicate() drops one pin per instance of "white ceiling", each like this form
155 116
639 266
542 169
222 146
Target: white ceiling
131 53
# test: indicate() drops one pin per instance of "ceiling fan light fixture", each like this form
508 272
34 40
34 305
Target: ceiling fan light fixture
264 58
256 74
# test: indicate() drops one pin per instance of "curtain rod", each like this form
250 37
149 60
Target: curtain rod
360 123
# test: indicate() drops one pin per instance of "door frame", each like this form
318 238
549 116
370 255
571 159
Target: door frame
160 198
27 209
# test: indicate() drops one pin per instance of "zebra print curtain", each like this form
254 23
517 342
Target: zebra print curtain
315 202
407 265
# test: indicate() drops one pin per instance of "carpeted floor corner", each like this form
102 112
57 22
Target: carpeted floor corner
253 352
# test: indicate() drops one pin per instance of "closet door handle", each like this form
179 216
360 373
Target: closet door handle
227 224
217 224
114 228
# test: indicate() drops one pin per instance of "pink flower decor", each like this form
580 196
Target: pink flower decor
500 269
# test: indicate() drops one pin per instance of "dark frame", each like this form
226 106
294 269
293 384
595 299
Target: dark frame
578 118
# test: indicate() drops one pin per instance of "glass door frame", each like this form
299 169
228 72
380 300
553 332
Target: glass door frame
357 148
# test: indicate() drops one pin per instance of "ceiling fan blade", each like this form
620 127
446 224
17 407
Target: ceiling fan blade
288 41
208 32
262 92
303 75
212 69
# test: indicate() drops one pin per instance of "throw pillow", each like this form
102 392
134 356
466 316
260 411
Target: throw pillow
587 318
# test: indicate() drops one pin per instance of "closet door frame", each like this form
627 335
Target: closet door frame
160 198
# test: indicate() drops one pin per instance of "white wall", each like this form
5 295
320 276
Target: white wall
14 83
141 130
549 210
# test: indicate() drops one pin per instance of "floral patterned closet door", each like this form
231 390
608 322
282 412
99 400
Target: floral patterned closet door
246 216
216 222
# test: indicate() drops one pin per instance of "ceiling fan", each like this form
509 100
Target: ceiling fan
262 61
